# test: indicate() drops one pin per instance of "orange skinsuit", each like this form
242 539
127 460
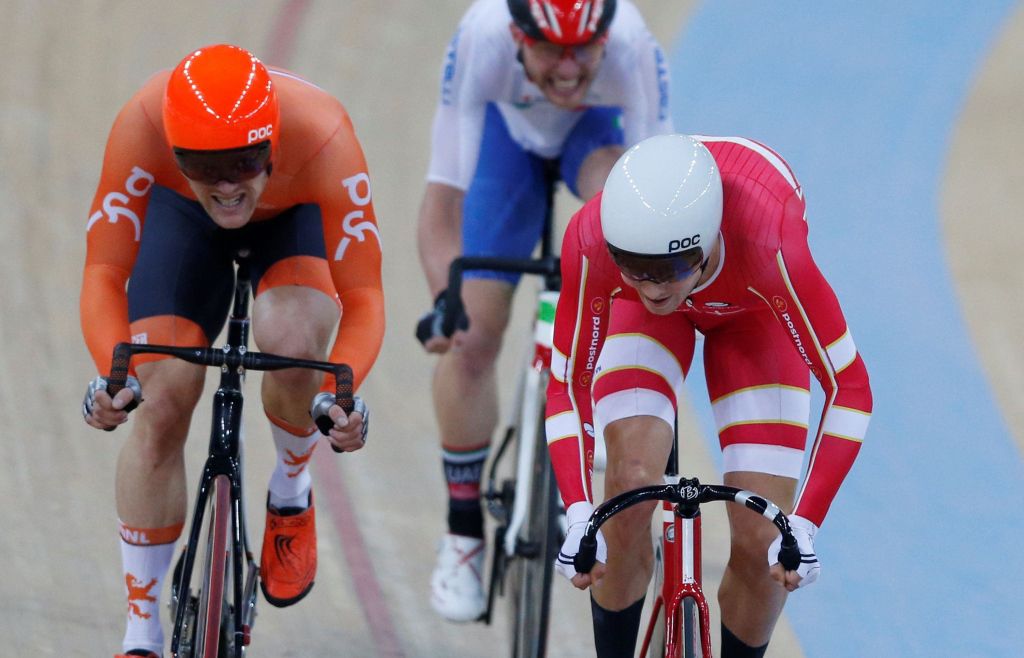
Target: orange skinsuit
317 160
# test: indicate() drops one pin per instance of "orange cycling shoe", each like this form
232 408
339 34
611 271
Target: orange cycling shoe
288 563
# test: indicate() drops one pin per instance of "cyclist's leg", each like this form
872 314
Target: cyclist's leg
503 215
177 294
750 601
591 149
294 314
296 308
759 391
640 376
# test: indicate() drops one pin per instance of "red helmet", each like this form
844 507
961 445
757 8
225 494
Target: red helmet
565 22
220 97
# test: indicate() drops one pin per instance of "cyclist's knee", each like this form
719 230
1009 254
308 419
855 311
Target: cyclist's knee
170 391
162 422
476 351
632 526
630 473
748 550
488 304
631 530
294 337
294 321
637 448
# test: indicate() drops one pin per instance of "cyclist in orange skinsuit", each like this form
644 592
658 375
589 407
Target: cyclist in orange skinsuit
217 157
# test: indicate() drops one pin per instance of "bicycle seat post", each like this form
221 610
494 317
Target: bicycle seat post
552 278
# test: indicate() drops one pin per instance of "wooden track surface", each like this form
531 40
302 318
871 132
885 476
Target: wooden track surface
65 70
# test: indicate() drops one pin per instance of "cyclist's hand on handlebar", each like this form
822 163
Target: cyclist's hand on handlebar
104 412
349 431
576 518
430 328
807 572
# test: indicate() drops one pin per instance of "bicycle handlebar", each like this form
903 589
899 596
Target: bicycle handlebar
548 266
230 357
688 495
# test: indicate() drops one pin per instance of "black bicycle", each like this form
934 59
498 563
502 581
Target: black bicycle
526 506
214 608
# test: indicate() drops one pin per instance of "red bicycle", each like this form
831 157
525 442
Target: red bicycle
678 626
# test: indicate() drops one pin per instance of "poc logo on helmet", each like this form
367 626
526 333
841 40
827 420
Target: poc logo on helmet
684 243
260 134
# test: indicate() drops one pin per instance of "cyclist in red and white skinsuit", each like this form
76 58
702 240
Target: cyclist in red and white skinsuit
703 233
216 157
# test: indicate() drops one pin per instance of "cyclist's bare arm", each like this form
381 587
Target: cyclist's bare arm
440 241
439 232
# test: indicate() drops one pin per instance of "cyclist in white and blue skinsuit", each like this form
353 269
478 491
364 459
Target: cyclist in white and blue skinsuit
527 86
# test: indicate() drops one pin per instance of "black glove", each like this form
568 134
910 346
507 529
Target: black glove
442 321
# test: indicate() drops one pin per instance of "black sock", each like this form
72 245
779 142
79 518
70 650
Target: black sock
466 518
462 472
733 647
615 631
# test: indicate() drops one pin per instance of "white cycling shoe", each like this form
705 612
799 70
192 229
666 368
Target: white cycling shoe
456 586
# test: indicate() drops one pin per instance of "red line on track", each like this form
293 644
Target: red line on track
279 51
360 566
285 31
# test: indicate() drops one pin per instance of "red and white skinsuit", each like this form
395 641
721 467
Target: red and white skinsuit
768 317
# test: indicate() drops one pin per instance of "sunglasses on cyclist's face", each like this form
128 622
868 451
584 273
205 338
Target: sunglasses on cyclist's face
231 165
657 269
549 54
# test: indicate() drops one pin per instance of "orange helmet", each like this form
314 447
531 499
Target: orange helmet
220 97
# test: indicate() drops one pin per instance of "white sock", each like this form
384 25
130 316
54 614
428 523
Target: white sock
290 482
145 567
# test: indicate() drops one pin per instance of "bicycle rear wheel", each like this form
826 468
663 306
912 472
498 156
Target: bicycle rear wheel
531 571
212 607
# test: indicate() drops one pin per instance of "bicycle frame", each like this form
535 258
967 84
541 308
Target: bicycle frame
225 461
224 465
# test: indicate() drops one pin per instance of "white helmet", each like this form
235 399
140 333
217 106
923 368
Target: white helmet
662 202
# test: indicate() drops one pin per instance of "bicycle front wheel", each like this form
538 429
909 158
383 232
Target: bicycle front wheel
691 642
655 637
687 642
532 570
211 597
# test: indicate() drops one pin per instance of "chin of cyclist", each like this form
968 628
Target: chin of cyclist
201 164
531 90
705 234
